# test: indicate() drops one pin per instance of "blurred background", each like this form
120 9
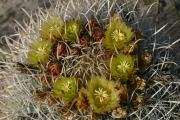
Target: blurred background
12 9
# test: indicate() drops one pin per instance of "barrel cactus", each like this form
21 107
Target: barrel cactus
90 59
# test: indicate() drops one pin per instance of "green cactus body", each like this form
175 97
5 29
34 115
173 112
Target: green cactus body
101 94
38 53
72 29
117 35
65 88
51 29
123 67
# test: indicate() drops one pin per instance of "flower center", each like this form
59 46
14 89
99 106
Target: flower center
41 50
66 87
101 95
55 26
123 66
72 28
117 35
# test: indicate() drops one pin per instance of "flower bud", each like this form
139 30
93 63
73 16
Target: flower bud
60 50
91 25
54 68
82 103
98 34
74 51
84 41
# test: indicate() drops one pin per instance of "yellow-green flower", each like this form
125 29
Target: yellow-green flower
51 29
101 94
72 30
65 88
123 67
117 35
38 53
